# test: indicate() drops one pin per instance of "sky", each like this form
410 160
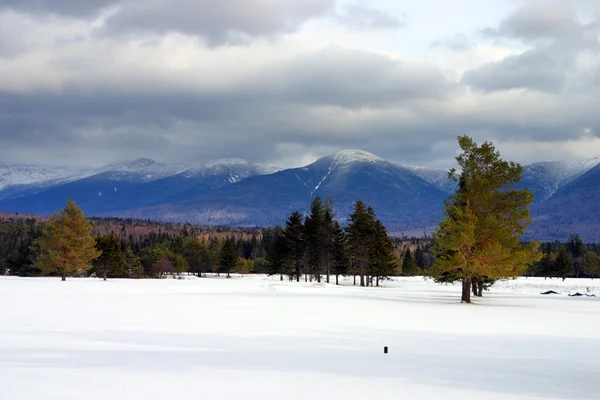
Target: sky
285 82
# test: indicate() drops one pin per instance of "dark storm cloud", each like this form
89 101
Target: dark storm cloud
359 16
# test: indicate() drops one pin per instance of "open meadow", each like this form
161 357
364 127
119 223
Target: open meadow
257 337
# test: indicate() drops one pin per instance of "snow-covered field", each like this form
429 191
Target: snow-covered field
259 338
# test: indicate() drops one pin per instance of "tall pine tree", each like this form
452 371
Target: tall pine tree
480 235
67 246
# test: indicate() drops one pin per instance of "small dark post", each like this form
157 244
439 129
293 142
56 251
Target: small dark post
385 351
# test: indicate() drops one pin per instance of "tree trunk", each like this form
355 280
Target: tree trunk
474 288
64 276
354 280
377 281
479 289
104 274
337 282
466 290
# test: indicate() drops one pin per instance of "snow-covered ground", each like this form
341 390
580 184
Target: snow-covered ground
259 338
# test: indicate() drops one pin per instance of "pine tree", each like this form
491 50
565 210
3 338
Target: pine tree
133 265
277 252
295 243
592 264
420 259
409 266
229 256
316 248
112 259
480 236
341 260
577 251
563 267
360 234
67 245
383 260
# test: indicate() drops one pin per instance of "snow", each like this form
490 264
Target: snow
11 175
352 156
145 168
259 338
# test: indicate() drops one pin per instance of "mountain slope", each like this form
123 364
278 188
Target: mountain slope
573 209
132 184
546 178
402 200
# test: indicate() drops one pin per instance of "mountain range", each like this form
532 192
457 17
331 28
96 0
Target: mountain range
408 199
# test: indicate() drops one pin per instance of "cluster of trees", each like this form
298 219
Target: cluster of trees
564 260
316 246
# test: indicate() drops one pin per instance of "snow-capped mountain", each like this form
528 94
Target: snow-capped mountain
437 177
129 184
141 169
402 199
11 175
546 178
236 192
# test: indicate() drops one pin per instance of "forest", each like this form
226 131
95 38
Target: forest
312 247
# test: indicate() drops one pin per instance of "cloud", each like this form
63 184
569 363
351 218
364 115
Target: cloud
359 16
459 42
557 37
93 91
539 20
535 69
62 7
217 21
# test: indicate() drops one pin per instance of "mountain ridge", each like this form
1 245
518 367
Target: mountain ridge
233 191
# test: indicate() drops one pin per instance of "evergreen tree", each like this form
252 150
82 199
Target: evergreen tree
133 265
480 235
112 259
67 245
420 259
360 232
316 247
341 260
229 257
295 243
577 252
277 253
563 267
592 264
409 266
383 260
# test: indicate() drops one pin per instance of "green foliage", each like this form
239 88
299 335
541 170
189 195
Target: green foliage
229 257
480 235
67 246
295 244
111 262
563 267
370 248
